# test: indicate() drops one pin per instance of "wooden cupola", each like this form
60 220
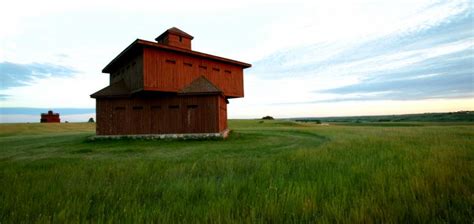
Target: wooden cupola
176 38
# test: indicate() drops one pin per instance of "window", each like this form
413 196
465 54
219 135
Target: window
202 66
173 106
180 39
170 61
215 69
137 107
188 64
192 106
119 108
155 107
227 71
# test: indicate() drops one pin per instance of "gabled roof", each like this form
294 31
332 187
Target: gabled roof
139 44
200 85
116 89
176 31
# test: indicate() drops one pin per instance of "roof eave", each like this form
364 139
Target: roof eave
109 96
106 69
194 53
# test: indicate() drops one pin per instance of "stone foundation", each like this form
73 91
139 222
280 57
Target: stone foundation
221 135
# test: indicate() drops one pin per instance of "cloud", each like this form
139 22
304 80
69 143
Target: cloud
444 76
62 55
433 59
4 97
14 74
434 87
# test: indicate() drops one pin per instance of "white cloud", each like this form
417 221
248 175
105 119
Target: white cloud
56 92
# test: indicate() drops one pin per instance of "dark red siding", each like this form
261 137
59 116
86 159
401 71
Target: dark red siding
131 72
169 71
50 117
160 115
178 41
222 103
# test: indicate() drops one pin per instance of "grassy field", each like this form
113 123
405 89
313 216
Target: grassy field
275 171
459 116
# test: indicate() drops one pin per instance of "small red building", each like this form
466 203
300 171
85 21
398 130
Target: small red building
165 87
50 117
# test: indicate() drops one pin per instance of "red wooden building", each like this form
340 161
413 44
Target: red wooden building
164 87
50 117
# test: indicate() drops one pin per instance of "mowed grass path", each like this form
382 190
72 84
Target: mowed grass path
274 171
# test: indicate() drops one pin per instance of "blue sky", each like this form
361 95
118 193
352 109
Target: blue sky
310 58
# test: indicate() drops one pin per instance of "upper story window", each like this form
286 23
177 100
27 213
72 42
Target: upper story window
228 71
188 64
216 69
170 61
173 106
202 66
180 39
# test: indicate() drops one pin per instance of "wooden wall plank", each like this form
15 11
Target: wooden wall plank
158 115
131 72
163 75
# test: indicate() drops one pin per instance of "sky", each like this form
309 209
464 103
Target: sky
309 58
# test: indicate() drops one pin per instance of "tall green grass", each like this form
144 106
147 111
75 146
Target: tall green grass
274 171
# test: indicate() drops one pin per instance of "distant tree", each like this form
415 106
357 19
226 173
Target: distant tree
267 118
91 120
